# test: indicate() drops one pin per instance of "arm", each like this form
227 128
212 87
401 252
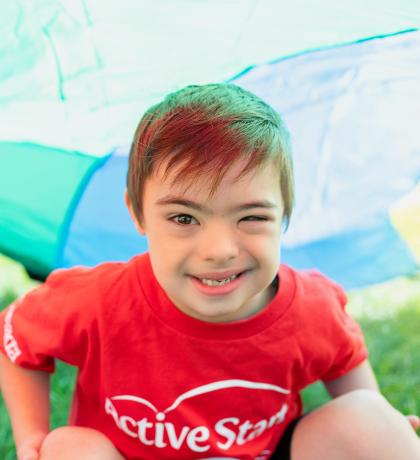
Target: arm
26 395
361 377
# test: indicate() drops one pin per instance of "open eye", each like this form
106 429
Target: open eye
184 219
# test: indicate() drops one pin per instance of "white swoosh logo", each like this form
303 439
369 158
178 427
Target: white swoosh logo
208 388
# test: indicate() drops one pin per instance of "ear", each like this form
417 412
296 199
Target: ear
140 227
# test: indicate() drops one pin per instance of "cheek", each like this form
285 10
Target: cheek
265 241
167 252
268 249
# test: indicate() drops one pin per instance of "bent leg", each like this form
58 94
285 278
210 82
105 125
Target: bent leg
70 442
360 425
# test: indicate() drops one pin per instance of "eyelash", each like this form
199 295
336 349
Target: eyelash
181 215
246 219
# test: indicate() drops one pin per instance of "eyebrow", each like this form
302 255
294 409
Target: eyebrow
171 200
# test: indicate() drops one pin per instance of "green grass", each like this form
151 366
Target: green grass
389 315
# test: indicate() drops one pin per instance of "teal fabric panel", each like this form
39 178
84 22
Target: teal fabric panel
37 187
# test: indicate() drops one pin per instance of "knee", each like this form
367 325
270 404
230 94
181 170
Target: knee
357 425
367 416
77 442
55 441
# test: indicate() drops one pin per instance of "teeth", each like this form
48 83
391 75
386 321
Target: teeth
208 282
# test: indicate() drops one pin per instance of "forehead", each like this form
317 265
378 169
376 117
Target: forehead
263 181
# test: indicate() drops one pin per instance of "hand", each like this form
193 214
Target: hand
27 453
29 449
414 421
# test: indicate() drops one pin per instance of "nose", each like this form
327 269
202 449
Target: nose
218 244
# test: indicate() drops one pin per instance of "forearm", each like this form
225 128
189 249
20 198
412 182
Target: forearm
26 395
361 377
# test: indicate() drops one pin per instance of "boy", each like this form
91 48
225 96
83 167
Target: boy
198 349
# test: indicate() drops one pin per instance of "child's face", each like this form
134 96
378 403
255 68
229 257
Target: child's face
195 240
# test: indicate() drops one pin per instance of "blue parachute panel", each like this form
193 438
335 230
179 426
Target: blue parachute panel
358 257
101 228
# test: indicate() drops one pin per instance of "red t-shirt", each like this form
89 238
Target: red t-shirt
163 385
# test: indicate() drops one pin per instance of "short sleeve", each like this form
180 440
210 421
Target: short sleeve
348 348
330 343
44 324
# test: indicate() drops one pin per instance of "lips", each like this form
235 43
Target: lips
214 284
218 276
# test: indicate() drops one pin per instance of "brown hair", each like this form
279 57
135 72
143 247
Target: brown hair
205 129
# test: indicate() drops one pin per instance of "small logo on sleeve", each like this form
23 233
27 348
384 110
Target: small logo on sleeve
9 342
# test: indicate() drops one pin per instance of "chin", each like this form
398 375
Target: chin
224 316
210 314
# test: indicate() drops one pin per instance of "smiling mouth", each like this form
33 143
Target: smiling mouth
221 282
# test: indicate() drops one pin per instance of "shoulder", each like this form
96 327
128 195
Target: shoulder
317 299
313 286
330 341
76 287
320 306
101 277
